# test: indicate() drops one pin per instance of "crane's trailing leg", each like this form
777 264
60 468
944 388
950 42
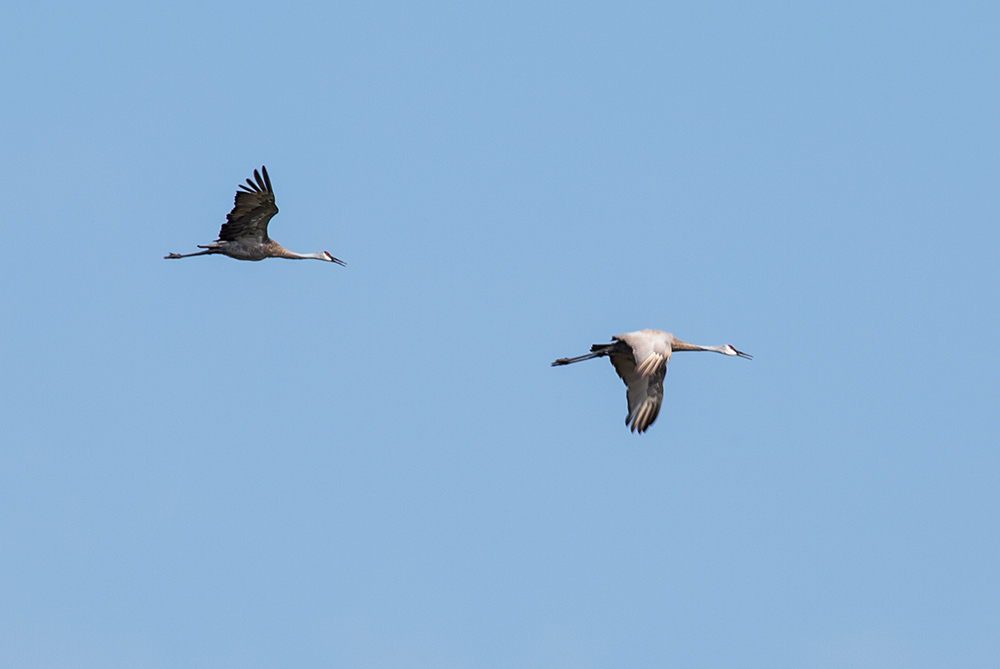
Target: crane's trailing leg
171 256
596 351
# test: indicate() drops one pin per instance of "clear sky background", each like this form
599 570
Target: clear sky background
213 463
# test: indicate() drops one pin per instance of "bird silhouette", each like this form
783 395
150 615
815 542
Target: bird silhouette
244 234
641 358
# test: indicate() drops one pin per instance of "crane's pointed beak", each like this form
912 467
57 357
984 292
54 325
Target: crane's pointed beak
741 353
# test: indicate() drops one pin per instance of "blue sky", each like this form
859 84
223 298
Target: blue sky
212 463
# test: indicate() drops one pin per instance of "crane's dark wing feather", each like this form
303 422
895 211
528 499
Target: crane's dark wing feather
253 209
644 391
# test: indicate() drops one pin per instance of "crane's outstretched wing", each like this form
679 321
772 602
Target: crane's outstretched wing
644 392
645 397
642 363
253 208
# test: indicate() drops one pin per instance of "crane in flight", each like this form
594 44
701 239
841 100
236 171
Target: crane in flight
641 358
244 234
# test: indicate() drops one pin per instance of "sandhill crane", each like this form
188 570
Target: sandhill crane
244 234
641 358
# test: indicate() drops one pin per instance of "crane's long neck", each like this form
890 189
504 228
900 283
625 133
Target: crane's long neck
679 345
292 255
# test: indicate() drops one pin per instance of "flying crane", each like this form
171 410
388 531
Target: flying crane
244 234
641 358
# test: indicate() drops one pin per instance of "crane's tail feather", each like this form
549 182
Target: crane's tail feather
596 351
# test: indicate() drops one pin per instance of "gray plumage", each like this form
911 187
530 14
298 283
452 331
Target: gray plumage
244 234
641 358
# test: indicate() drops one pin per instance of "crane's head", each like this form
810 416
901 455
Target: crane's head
325 255
729 350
